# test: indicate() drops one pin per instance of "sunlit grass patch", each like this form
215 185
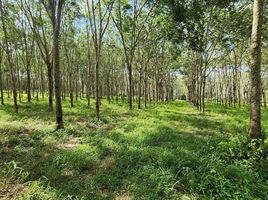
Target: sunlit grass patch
167 151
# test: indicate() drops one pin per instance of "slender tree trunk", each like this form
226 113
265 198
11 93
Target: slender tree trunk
18 81
8 91
130 86
1 86
264 99
57 77
71 90
203 94
255 74
97 97
28 84
139 90
1 77
42 82
150 95
9 54
55 12
89 84
50 86
145 88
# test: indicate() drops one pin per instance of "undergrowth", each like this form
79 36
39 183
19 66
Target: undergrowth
168 151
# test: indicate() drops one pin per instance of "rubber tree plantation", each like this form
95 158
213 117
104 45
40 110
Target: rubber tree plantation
133 99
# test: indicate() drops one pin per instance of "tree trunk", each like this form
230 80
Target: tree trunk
97 97
139 90
71 90
203 94
9 54
56 21
255 74
50 86
28 84
264 99
130 86
1 81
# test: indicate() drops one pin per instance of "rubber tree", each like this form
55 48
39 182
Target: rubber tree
99 13
255 72
8 48
54 10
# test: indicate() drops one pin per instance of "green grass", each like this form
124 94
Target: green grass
168 151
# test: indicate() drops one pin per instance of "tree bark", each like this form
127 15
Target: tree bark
1 85
50 86
97 97
1 75
255 73
54 10
130 86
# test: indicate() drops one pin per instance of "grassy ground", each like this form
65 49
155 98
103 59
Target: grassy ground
169 151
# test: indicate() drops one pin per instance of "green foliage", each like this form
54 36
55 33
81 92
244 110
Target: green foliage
14 172
82 158
166 152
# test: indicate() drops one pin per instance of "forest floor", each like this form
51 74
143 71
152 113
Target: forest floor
168 151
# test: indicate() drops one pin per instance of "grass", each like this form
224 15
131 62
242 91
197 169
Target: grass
168 151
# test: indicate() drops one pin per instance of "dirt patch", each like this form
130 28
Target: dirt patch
125 114
123 196
12 191
71 143
107 162
92 126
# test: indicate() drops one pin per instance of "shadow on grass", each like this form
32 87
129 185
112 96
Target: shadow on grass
29 111
69 171
162 161
38 111
86 170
